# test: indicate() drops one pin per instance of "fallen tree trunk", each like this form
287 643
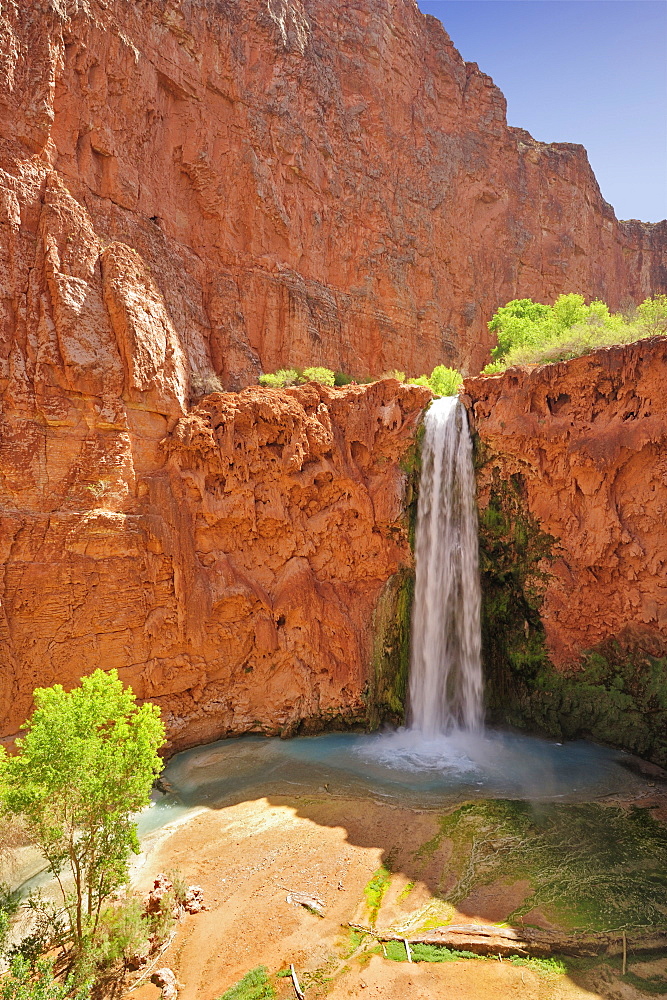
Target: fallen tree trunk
482 939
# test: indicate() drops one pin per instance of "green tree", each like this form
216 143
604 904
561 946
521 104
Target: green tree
532 333
322 375
652 314
85 765
516 323
24 983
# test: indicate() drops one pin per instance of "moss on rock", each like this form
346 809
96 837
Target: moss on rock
391 650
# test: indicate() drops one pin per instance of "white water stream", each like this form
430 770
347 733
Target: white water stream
446 667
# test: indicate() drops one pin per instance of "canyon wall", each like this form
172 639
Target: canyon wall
229 568
572 479
306 182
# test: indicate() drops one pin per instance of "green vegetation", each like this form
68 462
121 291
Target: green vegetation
22 982
395 952
442 381
546 966
617 695
84 767
532 333
374 891
385 698
513 557
652 985
299 376
9 903
255 985
590 867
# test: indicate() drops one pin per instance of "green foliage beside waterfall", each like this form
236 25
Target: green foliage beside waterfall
514 556
392 619
391 650
618 695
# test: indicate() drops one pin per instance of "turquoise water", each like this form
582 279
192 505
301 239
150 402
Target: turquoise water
399 766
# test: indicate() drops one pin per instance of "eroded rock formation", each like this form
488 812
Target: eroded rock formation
573 496
304 182
229 568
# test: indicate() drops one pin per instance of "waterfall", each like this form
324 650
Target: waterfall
445 670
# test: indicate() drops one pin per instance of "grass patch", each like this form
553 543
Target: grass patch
255 985
375 890
406 892
545 966
395 952
354 941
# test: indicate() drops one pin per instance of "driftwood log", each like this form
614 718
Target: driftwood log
482 939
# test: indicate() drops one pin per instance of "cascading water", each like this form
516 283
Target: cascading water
446 670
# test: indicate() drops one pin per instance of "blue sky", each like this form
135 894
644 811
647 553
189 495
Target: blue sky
588 71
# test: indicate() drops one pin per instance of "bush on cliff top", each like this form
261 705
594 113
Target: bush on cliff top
442 381
532 333
297 376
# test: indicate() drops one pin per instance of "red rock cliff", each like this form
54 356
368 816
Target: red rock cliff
588 440
304 182
229 569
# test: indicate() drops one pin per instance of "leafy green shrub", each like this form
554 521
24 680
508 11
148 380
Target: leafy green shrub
652 315
255 985
532 333
279 379
298 376
442 381
83 770
48 930
494 368
322 375
123 934
24 983
340 379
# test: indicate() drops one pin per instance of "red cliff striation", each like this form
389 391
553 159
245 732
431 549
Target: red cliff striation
304 182
586 441
229 569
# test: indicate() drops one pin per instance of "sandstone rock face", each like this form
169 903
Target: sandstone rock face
226 561
572 483
588 438
283 182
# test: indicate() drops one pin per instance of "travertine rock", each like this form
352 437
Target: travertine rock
166 980
228 568
283 182
588 438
